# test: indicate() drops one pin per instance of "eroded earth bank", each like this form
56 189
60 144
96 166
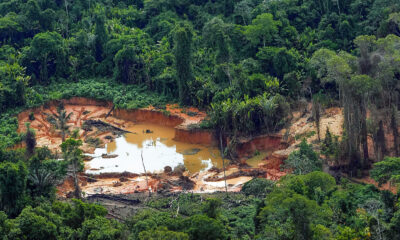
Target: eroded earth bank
178 154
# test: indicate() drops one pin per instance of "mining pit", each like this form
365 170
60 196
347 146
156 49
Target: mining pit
178 155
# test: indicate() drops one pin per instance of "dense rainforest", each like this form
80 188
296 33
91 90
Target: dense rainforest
249 64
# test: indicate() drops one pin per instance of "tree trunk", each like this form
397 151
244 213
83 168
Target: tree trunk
108 114
316 110
364 134
395 132
223 158
66 10
338 5
380 138
144 168
77 192
43 71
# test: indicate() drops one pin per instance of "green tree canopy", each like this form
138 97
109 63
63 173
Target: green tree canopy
386 170
129 65
45 56
74 155
183 59
262 29
13 177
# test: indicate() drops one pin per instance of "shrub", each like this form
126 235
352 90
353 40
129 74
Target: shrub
304 160
259 187
262 114
205 228
386 170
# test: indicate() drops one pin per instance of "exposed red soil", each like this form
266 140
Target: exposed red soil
195 136
172 116
272 165
247 146
186 126
211 180
84 109
182 119
148 116
47 135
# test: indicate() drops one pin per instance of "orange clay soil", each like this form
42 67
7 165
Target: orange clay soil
83 109
195 116
183 121
47 135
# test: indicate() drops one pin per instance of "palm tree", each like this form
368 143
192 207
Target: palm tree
45 172
59 120
43 179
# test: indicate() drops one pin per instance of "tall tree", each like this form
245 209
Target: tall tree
13 178
129 66
243 9
262 29
101 36
32 14
355 91
13 83
362 87
44 57
183 34
73 155
386 57
215 32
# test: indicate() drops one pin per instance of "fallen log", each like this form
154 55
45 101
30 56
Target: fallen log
114 198
105 127
108 114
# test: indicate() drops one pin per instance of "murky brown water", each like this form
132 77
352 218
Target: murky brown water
159 150
258 158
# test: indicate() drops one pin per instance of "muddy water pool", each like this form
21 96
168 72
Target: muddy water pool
258 158
158 148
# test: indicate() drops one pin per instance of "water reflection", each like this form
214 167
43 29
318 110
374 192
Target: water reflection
159 150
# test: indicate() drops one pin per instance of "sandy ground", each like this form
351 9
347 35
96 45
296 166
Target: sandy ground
332 119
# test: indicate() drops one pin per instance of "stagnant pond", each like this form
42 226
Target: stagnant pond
158 148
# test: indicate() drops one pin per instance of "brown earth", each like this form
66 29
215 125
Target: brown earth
185 121
246 147
84 109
